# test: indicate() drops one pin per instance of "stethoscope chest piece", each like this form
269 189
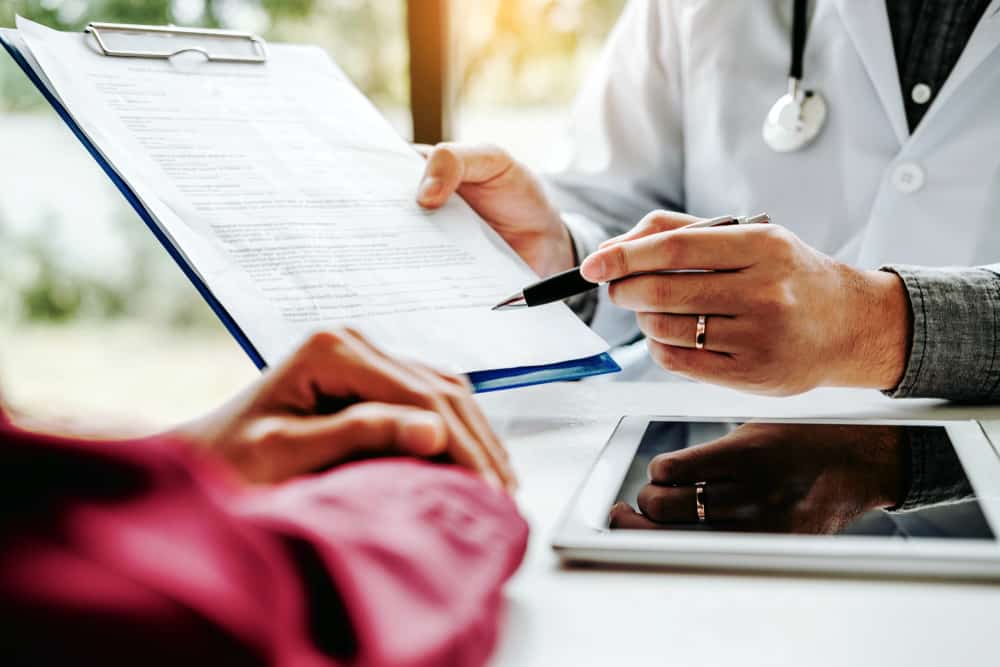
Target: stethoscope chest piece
798 117
795 120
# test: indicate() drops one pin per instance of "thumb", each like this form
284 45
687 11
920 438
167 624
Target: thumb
450 165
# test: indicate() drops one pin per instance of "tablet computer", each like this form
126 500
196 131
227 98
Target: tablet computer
900 498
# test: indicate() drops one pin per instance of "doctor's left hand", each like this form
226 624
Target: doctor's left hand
781 317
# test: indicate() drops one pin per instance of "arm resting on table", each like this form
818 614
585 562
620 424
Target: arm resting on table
137 553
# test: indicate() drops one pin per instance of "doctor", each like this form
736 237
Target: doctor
884 149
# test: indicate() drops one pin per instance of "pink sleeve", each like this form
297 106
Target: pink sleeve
135 553
417 552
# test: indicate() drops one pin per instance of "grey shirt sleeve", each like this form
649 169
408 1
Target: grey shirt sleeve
955 350
935 473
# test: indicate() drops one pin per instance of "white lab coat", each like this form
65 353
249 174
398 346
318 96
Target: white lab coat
671 118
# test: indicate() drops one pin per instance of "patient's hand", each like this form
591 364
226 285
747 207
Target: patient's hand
338 398
786 478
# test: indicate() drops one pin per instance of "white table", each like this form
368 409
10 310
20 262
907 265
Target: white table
559 616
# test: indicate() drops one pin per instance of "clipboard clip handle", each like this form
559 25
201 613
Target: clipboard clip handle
123 40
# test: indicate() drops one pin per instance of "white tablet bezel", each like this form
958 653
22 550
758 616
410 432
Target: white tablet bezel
582 535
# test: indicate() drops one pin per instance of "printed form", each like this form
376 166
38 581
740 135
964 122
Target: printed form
295 202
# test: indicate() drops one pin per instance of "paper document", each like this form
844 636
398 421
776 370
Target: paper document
295 202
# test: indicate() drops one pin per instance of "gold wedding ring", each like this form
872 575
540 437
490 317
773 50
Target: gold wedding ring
699 333
699 500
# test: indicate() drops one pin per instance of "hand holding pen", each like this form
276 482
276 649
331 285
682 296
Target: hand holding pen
571 283
752 308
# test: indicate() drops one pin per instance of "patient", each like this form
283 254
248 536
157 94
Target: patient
229 542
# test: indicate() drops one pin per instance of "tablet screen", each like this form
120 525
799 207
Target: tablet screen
822 479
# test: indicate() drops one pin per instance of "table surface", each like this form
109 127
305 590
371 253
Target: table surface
566 616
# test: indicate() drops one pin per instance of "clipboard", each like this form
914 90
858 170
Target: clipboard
166 42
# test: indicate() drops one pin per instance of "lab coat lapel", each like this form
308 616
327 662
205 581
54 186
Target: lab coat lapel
983 42
867 23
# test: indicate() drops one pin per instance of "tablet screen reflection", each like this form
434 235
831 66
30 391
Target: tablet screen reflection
820 479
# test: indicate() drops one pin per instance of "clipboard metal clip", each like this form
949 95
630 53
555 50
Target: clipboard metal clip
164 42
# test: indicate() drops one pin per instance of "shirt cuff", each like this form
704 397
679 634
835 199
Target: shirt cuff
586 235
936 475
956 334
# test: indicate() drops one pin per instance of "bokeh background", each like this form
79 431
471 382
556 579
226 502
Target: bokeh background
96 322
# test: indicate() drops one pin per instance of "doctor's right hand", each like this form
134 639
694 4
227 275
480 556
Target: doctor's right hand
507 195
779 478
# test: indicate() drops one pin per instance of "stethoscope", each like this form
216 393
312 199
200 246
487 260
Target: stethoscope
799 115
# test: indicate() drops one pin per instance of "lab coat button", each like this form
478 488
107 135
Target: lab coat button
908 177
921 93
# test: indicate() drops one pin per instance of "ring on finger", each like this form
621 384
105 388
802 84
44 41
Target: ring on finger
699 501
699 332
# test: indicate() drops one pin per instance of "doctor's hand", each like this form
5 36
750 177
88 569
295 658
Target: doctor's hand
784 478
505 194
338 399
781 318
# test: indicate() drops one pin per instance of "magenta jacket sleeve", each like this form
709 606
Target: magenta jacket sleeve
136 553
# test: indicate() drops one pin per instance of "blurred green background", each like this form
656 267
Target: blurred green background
93 314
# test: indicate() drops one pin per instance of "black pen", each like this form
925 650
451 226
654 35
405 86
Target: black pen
570 283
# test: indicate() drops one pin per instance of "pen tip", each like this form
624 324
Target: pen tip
510 302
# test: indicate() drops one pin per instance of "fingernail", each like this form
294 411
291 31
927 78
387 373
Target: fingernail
430 188
594 268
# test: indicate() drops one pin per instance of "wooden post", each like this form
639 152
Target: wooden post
430 83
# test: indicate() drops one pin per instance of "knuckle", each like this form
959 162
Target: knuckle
619 259
779 239
324 340
365 420
661 291
651 502
645 500
775 299
329 344
660 327
266 434
663 221
658 220
647 324
662 468
671 248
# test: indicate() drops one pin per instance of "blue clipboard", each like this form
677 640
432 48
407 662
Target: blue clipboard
482 381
